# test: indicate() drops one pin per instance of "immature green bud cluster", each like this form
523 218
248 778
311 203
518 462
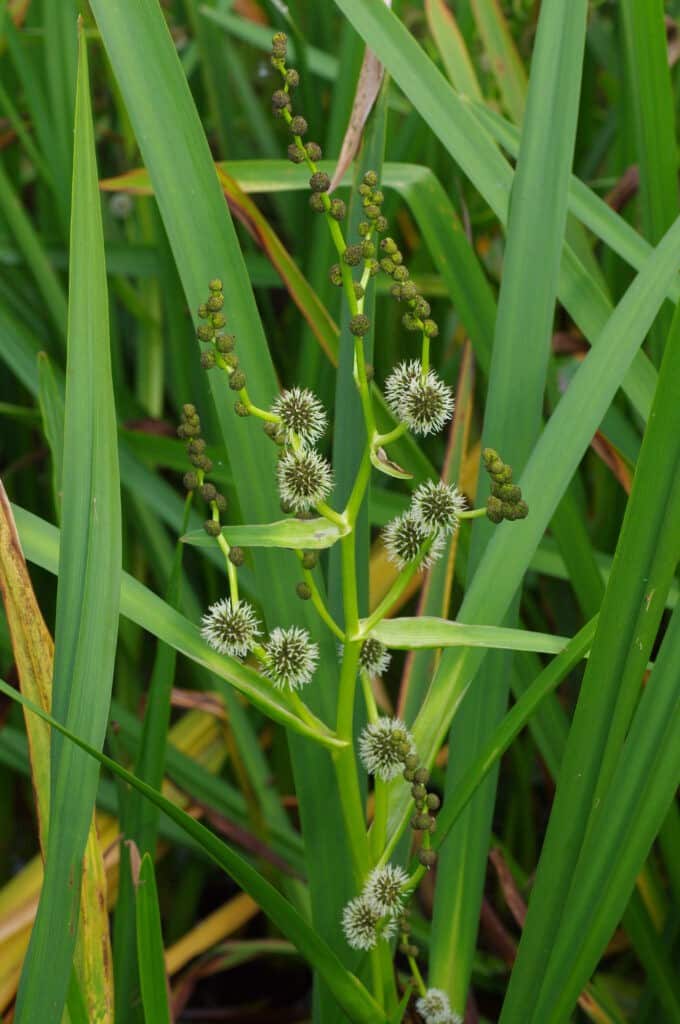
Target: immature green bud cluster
505 500
190 431
417 318
222 352
426 806
298 151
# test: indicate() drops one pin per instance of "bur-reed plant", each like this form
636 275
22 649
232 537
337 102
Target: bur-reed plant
394 803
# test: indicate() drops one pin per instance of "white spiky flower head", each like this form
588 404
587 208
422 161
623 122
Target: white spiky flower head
230 627
374 657
435 1007
290 657
398 382
304 478
436 507
427 404
383 747
302 414
403 538
361 924
384 889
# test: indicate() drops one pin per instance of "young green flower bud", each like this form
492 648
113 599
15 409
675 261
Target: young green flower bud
208 492
373 267
335 275
204 463
225 343
507 492
280 101
215 285
418 791
316 202
205 332
370 179
409 774
411 322
196 446
422 776
190 481
352 255
303 591
231 360
408 290
319 182
381 224
421 307
218 320
428 858
372 211
397 258
388 246
387 265
295 155
203 311
422 822
236 556
292 78
212 528
411 761
364 228
338 209
314 152
207 360
221 502
298 125
241 409
215 302
309 559
237 380
433 802
359 325
368 250
359 290
430 329
400 274
279 45
364 190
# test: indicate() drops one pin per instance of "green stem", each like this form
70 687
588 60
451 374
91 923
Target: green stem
378 833
359 488
425 357
345 765
473 513
330 513
380 440
318 602
395 591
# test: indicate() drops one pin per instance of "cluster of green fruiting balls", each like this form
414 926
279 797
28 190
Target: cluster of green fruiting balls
505 500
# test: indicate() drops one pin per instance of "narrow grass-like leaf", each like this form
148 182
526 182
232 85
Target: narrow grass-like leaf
453 51
429 631
349 992
651 92
152 974
646 556
535 233
51 398
287 533
550 467
89 583
503 58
